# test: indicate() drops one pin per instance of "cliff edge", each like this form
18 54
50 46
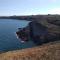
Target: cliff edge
49 51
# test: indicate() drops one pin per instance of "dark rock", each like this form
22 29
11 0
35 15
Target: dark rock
37 33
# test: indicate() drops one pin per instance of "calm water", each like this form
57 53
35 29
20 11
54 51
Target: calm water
8 39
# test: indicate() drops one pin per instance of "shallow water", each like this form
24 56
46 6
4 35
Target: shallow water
8 39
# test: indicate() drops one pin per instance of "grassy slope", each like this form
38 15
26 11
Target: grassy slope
49 51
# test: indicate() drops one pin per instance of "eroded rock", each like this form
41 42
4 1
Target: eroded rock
38 33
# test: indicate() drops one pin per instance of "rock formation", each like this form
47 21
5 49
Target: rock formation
38 33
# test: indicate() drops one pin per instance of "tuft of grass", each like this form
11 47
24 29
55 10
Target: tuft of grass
49 51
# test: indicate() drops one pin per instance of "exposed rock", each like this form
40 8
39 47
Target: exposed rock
37 33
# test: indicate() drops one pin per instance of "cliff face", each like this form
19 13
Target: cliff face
49 51
38 33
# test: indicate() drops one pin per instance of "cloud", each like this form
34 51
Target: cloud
54 11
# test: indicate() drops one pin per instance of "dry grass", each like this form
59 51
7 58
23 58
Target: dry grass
44 52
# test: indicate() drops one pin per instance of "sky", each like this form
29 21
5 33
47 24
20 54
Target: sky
29 7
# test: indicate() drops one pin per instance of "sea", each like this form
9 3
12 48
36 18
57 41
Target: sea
8 38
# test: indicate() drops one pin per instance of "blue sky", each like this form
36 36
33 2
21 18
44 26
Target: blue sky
29 7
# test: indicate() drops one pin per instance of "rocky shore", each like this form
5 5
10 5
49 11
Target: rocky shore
38 33
44 30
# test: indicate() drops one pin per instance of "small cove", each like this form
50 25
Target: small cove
8 39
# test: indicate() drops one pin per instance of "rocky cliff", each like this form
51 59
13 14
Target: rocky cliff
38 33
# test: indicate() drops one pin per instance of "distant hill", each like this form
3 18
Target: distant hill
33 17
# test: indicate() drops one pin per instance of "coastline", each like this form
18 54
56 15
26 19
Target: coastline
35 53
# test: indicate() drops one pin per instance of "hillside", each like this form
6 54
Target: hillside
49 51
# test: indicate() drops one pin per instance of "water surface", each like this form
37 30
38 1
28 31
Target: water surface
8 39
